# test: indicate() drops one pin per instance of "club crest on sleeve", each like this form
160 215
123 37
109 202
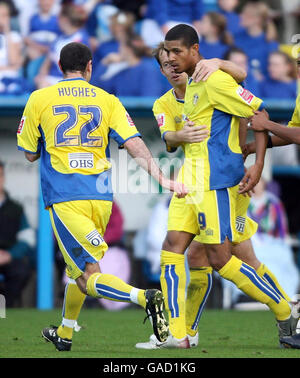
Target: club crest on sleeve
160 118
129 119
246 95
21 125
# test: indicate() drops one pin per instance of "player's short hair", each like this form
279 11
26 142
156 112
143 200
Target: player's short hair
74 57
2 165
187 34
157 51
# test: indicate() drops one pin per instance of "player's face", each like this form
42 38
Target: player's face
181 58
175 79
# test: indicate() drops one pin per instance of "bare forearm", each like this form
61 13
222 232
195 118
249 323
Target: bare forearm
285 134
238 73
243 131
143 157
172 138
261 141
276 141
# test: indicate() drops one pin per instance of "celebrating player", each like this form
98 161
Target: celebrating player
282 136
69 125
214 208
168 112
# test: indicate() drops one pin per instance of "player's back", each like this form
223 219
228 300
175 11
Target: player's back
73 122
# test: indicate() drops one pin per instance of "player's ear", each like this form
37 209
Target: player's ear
59 65
195 48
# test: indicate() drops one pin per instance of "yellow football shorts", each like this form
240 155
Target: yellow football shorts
215 215
79 227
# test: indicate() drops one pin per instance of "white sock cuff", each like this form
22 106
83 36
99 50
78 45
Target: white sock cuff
71 281
134 295
68 323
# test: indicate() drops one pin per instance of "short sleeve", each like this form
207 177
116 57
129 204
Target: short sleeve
295 121
121 124
165 121
226 95
28 133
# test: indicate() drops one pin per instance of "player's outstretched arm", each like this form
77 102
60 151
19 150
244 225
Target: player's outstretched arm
143 157
188 134
260 122
31 157
206 67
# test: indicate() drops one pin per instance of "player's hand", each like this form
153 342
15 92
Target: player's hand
192 134
5 257
250 179
248 149
258 121
177 187
205 68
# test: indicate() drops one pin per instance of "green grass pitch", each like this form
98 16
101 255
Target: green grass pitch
104 334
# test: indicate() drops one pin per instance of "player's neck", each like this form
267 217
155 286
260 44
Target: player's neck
180 92
191 70
74 75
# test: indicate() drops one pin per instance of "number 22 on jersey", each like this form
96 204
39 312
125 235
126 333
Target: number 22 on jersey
86 129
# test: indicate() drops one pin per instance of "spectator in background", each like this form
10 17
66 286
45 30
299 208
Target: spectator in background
138 75
43 30
281 82
162 15
258 39
227 9
11 59
98 23
216 40
17 241
121 24
239 57
72 21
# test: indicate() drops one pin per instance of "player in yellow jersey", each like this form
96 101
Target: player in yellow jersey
68 126
168 112
282 136
212 170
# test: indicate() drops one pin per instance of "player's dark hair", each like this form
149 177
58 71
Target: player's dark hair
185 33
74 57
157 51
2 165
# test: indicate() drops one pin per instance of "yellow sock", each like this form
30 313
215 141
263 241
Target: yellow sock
197 293
100 285
264 272
173 281
73 301
247 280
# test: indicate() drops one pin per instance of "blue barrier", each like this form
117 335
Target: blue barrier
45 260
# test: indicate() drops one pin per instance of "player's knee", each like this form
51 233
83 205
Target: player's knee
217 256
197 255
177 241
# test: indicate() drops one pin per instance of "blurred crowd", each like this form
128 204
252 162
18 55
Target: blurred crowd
123 33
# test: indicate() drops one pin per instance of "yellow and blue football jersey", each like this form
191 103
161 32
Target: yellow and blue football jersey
168 111
295 121
70 124
217 103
